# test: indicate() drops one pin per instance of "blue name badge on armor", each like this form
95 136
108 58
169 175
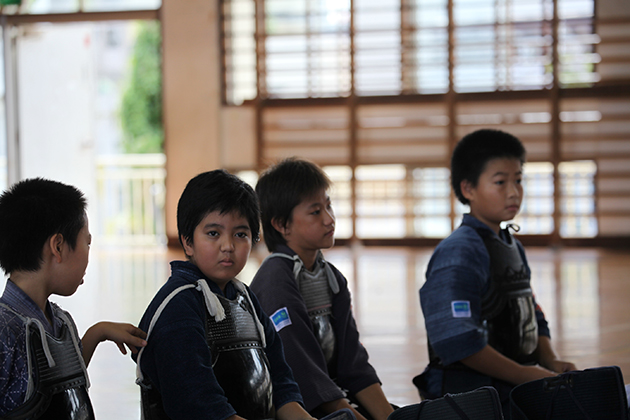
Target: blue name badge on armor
280 319
461 309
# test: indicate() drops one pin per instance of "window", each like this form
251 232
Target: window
367 81
395 201
536 215
381 193
577 206
378 47
307 49
401 47
425 41
432 202
341 177
239 45
576 43
502 45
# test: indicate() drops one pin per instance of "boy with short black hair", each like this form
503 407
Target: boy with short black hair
307 298
483 324
212 352
44 247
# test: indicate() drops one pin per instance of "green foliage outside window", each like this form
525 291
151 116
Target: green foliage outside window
141 109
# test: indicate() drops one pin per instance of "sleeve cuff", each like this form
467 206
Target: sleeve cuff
459 347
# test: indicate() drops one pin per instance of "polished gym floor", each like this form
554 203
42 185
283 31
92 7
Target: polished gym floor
584 293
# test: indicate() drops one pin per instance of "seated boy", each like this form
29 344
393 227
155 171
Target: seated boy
44 247
307 298
212 352
483 324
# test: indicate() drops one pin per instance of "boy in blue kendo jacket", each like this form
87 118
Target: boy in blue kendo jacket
483 324
44 247
308 299
212 352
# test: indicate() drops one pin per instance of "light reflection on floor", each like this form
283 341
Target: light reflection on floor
584 293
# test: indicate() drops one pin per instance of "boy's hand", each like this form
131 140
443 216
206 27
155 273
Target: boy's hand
119 333
560 366
548 359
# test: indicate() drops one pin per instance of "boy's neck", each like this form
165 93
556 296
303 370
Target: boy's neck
308 258
495 227
33 285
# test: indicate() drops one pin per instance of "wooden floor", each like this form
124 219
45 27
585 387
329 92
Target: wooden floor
584 292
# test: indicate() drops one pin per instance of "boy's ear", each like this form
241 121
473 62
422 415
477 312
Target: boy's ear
55 246
467 189
187 248
278 226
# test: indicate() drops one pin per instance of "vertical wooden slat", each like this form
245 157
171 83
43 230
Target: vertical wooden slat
259 7
222 47
451 98
403 74
353 123
555 127
310 88
497 45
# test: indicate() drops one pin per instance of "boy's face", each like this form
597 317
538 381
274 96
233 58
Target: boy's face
312 225
77 261
221 245
498 194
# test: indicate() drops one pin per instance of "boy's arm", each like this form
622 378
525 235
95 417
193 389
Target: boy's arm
546 356
119 333
492 363
374 401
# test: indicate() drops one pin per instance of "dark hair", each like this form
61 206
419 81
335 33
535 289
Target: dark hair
32 211
475 150
281 188
219 191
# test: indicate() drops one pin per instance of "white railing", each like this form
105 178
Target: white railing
131 196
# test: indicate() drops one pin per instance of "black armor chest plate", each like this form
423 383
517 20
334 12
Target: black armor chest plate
317 297
239 360
61 390
508 305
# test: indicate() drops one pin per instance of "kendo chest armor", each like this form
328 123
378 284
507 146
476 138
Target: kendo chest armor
316 289
57 376
238 359
240 365
318 300
508 306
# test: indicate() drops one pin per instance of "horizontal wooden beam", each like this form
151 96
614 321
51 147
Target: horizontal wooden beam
81 17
